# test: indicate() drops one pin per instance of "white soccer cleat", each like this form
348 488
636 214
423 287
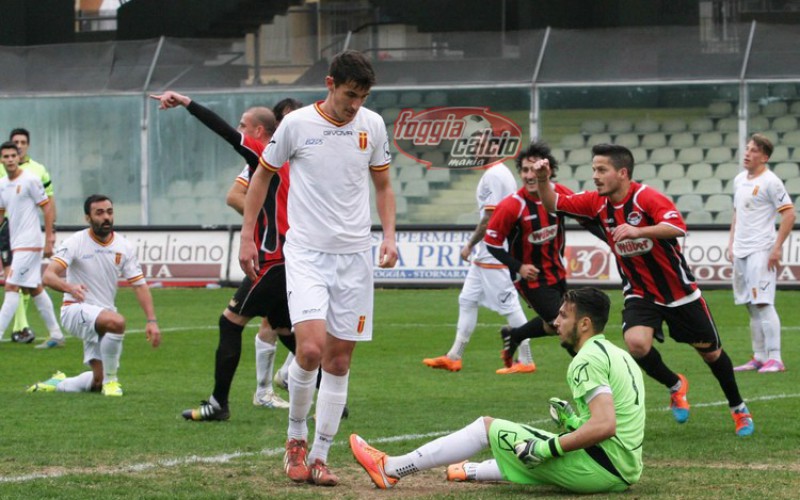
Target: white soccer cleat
269 400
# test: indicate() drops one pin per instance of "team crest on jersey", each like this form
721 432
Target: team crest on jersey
362 140
117 258
632 248
634 218
543 235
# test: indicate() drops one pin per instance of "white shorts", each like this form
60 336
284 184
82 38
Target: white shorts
79 320
26 269
753 283
491 288
336 288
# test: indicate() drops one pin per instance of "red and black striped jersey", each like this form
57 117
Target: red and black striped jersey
653 269
534 235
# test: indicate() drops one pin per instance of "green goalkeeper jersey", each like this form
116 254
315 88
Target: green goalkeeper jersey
601 363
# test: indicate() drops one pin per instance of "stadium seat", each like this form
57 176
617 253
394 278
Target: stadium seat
582 172
700 125
719 154
416 189
655 183
757 124
564 171
401 204
708 186
436 158
774 109
720 109
630 140
559 155
697 171
639 154
573 184
795 156
724 217
730 124
662 155
411 173
690 155
652 141
787 170
469 219
646 126
644 171
438 176
573 141
682 140
670 171
784 90
602 138
619 126
579 156
673 126
593 127
709 140
784 124
727 171
689 202
794 108
718 202
680 186
779 154
588 185
699 217
731 140
791 138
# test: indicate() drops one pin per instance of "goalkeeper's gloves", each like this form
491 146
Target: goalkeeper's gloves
563 415
533 452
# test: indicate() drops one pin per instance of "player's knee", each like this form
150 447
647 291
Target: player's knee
116 324
467 303
710 357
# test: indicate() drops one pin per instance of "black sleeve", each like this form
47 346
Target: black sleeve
593 226
504 257
224 130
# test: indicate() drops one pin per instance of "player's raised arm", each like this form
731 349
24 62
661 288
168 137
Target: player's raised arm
546 192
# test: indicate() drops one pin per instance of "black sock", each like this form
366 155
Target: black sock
229 351
288 341
530 330
722 369
654 366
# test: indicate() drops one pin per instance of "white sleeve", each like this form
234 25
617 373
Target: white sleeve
491 191
279 149
380 151
131 270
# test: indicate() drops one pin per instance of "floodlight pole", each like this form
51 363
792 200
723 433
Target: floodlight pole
744 92
535 111
144 183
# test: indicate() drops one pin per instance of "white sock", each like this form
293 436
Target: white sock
111 350
467 319
302 385
756 333
330 402
45 307
487 471
771 325
450 449
265 359
7 311
78 383
284 369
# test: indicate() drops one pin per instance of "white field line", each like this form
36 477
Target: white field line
271 452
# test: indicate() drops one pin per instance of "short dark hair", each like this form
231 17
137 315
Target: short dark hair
763 143
592 303
284 107
95 198
20 131
9 145
265 117
538 150
620 156
352 66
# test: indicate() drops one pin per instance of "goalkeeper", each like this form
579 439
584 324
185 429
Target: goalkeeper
600 449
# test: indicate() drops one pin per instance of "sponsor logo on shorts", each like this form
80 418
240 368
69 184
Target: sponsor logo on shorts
632 248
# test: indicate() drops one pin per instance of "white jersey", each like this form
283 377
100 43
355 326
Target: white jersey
495 184
757 201
98 266
328 207
21 199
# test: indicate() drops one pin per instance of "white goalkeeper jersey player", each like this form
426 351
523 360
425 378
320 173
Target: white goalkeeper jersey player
86 268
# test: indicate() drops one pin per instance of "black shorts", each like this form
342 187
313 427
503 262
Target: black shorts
690 323
5 244
264 299
545 300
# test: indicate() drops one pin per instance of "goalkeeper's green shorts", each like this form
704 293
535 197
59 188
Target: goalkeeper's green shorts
575 471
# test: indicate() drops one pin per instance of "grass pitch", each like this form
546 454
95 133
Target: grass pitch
79 446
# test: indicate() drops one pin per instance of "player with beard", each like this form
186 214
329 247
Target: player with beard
85 268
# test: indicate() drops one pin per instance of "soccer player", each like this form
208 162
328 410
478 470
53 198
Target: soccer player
601 450
85 268
530 241
756 249
264 296
487 283
21 196
642 227
22 331
333 147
